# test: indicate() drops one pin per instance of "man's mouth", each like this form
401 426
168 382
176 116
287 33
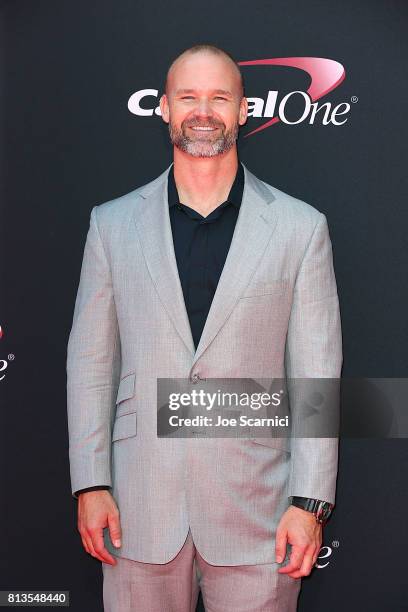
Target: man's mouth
202 128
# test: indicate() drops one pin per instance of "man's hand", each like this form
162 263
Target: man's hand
299 528
96 510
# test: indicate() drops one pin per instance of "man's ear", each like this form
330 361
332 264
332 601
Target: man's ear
243 111
164 108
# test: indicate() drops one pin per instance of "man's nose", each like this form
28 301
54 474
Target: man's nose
203 107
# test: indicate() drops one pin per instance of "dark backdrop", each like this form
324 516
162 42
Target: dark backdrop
70 143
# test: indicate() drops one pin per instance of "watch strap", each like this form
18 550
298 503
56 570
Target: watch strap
319 508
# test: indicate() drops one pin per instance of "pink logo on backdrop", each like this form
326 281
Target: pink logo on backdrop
325 75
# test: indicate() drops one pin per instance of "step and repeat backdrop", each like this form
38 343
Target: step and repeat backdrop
327 92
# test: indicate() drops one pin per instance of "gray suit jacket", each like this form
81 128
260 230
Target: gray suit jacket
275 313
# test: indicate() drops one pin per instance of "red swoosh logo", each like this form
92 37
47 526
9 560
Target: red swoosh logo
325 75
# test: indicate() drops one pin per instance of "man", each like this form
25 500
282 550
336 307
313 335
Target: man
206 272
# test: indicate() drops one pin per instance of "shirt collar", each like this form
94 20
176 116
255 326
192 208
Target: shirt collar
234 196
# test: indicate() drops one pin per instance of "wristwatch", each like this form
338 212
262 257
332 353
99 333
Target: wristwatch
321 509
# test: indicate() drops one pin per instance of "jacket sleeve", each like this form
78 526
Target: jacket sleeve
93 368
314 351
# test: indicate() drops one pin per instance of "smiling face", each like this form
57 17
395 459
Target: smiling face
203 104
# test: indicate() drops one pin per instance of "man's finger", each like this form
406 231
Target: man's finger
99 547
115 531
295 560
306 566
89 546
316 555
84 542
280 546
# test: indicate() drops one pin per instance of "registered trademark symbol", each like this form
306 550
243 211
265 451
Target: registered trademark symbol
335 543
354 99
10 357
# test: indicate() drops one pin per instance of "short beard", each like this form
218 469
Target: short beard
203 148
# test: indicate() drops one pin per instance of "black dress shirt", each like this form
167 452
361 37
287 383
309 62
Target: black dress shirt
201 245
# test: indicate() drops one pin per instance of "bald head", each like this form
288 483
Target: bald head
203 102
206 51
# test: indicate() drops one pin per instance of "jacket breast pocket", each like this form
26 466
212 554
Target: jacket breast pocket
267 288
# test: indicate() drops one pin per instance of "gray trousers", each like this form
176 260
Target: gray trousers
131 586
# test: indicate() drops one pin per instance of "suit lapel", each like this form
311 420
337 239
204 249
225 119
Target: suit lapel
255 224
156 239
254 227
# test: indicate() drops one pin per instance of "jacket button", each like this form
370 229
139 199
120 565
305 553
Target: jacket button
195 377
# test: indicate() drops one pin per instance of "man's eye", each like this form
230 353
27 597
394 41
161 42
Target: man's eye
220 98
187 98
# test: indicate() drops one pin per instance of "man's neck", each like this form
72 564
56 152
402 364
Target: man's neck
203 183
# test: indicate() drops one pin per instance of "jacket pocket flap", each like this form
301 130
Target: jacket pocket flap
125 426
126 388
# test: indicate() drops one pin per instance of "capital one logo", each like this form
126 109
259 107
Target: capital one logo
325 75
